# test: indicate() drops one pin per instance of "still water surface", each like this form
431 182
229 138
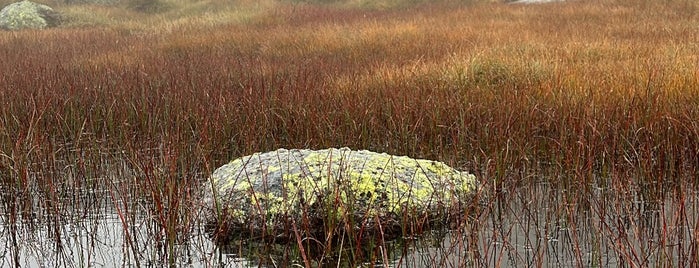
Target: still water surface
536 225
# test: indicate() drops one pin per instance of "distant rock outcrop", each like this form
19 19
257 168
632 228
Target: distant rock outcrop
315 192
28 15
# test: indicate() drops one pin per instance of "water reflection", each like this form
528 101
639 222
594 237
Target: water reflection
541 225
546 226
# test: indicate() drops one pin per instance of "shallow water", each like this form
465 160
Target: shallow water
543 226
532 225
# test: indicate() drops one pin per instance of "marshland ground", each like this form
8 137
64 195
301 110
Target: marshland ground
580 118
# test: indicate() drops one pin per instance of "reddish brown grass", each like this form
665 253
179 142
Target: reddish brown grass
582 95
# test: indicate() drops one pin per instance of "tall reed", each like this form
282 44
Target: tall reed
595 99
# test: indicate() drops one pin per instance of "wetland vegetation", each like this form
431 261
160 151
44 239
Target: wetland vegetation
580 119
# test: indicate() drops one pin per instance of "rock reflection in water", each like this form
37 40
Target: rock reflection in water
538 225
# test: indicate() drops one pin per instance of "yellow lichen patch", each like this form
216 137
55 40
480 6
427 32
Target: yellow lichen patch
363 183
237 214
270 203
273 168
241 185
300 188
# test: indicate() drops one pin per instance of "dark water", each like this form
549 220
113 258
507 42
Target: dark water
533 225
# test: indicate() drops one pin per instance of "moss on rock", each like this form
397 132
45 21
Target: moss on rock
270 192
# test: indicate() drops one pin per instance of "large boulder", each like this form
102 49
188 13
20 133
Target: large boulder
28 15
277 194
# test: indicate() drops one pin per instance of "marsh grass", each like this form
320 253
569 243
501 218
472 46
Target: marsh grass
579 118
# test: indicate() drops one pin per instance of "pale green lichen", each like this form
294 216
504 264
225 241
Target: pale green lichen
268 188
27 15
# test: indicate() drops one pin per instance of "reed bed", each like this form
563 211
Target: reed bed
580 118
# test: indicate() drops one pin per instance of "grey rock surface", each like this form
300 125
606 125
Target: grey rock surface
28 15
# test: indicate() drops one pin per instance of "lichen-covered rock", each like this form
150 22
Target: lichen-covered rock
27 15
315 191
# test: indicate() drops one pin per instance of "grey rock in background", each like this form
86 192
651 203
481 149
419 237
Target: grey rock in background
28 15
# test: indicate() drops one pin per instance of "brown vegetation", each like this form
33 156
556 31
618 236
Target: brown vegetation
582 95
